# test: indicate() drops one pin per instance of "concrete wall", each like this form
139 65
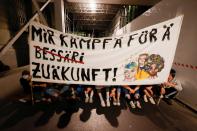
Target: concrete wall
186 51
9 82
4 29
10 57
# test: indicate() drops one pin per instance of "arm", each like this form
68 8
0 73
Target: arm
113 92
178 86
171 84
128 88
137 88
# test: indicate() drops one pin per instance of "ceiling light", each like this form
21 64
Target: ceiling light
92 6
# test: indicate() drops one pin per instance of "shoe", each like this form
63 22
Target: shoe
138 105
22 100
161 96
49 100
132 104
152 101
108 103
145 98
168 101
73 97
37 101
102 103
114 103
118 103
86 99
90 100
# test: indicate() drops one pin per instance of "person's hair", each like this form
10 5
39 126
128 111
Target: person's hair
154 59
130 65
25 72
144 54
173 73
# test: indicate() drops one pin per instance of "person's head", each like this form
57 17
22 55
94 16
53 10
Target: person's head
25 74
155 63
142 59
172 74
130 70
153 69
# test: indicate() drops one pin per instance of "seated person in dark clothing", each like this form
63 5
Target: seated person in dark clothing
25 81
56 91
38 88
170 88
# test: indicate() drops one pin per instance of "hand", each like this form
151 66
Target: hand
132 91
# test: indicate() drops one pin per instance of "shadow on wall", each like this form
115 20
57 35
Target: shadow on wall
17 16
3 67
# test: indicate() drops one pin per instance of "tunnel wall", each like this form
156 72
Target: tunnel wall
187 48
9 58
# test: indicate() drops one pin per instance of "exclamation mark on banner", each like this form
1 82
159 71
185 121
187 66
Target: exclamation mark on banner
115 70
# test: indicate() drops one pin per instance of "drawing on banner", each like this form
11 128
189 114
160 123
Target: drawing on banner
146 67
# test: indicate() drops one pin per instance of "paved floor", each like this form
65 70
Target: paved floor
78 116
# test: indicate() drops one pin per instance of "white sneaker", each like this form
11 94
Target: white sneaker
161 96
108 103
102 103
152 101
114 103
138 104
132 104
90 100
145 98
22 100
86 99
118 103
73 97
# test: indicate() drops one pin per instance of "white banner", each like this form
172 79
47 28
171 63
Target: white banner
138 58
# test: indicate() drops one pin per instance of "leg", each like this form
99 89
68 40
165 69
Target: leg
113 95
100 96
171 93
137 97
118 95
86 95
147 93
91 96
107 97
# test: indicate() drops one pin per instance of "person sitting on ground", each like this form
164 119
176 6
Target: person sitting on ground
132 94
115 93
98 88
25 81
38 91
170 88
53 92
148 92
89 90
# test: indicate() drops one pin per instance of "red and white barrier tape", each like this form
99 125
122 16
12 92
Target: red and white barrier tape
185 65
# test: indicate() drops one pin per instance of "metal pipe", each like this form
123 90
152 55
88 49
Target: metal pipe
39 12
18 34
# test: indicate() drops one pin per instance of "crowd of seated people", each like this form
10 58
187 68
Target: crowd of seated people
51 92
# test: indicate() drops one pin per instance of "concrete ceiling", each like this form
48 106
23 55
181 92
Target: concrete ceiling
128 2
86 18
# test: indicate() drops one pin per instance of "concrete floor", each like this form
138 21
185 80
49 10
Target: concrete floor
78 116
